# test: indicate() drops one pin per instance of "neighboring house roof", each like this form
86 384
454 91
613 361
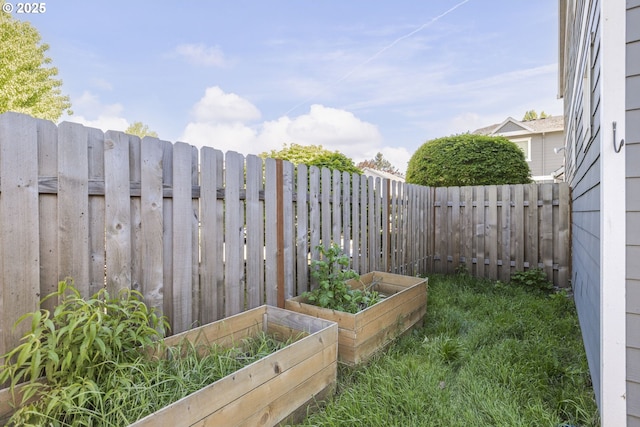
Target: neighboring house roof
381 174
549 124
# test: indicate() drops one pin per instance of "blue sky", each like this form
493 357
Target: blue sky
356 76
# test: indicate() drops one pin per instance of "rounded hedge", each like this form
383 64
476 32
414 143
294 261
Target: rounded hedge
468 159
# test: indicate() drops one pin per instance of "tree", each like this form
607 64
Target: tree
27 82
533 115
468 159
379 163
530 115
314 155
141 130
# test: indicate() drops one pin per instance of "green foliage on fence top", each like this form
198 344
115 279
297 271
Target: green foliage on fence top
314 155
468 159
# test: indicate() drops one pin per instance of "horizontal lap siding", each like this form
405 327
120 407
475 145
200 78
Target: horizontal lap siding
632 152
583 175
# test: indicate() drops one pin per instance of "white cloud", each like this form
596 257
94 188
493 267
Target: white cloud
217 106
226 121
222 136
89 111
200 54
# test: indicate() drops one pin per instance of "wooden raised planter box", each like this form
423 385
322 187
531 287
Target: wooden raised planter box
273 389
360 335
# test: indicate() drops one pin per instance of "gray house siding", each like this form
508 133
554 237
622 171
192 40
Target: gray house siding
583 175
544 160
632 160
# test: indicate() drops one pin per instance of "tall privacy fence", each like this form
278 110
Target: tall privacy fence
204 235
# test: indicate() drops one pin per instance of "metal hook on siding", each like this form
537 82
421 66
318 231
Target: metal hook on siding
617 148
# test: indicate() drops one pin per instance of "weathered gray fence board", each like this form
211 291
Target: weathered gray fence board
336 207
211 244
151 226
97 212
355 224
117 211
314 214
48 214
254 245
233 232
73 199
302 229
288 230
271 245
20 244
135 162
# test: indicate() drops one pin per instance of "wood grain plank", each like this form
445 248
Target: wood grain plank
346 214
302 229
271 246
137 244
254 226
117 212
492 230
181 254
518 227
454 230
562 236
19 249
533 236
336 207
505 234
211 267
479 197
233 232
97 212
48 213
73 205
355 223
288 229
364 236
325 207
546 229
167 234
152 222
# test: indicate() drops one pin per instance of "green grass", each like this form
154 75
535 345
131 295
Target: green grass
489 354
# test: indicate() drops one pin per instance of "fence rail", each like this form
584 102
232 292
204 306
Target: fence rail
204 235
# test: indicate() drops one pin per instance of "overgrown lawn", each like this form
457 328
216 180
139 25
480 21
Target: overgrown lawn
489 354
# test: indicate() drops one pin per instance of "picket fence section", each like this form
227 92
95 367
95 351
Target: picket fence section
204 235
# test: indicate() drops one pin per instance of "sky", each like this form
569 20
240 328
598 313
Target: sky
356 76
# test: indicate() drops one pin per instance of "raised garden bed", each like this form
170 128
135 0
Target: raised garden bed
275 388
360 335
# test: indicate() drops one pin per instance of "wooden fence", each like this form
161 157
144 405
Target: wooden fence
204 235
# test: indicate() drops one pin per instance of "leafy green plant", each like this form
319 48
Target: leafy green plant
332 292
117 383
65 355
534 278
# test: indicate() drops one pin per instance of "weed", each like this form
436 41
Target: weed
534 278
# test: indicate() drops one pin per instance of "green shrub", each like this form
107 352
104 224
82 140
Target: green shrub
468 159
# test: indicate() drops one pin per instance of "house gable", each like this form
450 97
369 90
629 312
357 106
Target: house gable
511 126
